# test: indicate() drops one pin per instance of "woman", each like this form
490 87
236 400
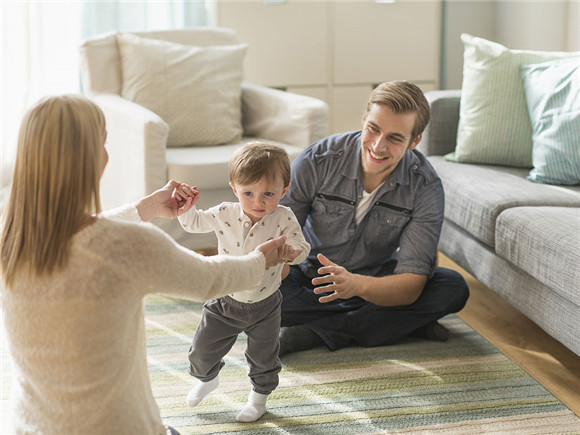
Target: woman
74 281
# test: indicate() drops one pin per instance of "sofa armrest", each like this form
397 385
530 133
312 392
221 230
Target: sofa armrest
136 140
441 133
283 116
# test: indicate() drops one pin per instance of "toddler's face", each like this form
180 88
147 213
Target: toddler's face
261 198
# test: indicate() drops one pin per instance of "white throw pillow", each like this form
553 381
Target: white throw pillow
494 126
195 90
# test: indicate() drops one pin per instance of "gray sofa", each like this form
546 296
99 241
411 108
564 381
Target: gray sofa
519 238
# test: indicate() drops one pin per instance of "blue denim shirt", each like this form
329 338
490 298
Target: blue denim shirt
402 225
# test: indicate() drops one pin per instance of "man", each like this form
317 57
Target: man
371 207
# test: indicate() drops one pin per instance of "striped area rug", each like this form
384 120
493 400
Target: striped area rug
463 386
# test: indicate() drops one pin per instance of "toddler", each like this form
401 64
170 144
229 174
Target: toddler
259 176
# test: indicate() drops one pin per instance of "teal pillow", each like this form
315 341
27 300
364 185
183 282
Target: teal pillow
552 92
494 127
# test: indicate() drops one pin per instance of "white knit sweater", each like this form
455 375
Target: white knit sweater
77 337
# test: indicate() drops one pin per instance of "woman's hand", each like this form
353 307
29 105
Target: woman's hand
171 201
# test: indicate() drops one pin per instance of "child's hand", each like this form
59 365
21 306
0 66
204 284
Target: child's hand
183 192
287 253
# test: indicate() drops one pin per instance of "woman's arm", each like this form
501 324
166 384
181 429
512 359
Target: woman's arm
160 265
161 203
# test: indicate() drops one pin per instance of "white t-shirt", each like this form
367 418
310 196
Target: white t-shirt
365 203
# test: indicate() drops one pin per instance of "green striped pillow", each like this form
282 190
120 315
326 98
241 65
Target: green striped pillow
494 126
553 96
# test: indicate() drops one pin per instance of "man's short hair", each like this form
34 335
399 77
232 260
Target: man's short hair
401 96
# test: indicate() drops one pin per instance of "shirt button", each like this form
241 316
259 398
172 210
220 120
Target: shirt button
389 221
246 224
392 183
414 167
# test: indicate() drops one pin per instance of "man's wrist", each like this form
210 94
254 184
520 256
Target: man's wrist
361 285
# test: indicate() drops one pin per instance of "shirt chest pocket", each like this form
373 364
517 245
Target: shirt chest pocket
390 217
384 229
333 206
332 217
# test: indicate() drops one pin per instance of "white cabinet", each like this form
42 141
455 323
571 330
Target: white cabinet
287 42
375 42
336 50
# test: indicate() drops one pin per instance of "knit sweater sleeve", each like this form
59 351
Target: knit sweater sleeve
127 212
157 264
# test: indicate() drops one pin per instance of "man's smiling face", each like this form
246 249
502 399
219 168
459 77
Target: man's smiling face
386 136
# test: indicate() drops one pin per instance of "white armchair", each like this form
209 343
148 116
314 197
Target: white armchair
140 161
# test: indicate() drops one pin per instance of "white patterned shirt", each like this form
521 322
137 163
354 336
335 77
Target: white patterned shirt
237 236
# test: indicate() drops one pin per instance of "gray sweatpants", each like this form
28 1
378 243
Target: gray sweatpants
222 320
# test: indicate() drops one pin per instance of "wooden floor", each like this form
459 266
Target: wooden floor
521 340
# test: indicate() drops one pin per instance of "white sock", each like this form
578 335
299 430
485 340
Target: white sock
202 389
254 409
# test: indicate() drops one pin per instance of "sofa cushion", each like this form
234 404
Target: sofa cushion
195 90
207 167
100 64
475 195
543 241
494 127
553 97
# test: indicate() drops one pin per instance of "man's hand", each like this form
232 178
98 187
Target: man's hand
340 282
388 291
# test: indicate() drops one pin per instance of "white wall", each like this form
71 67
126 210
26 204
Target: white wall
574 27
532 25
527 25
473 17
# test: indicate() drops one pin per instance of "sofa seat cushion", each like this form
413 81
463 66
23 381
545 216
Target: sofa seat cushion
475 195
207 167
543 241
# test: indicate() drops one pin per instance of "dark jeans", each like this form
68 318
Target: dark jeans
347 322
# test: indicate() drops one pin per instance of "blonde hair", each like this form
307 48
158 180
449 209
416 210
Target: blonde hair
256 160
55 184
401 97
